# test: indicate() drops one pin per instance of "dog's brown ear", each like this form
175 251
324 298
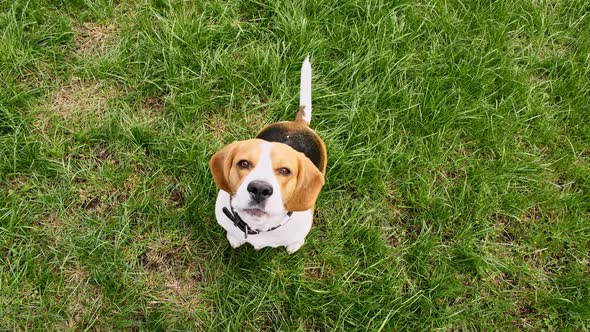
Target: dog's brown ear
220 165
309 183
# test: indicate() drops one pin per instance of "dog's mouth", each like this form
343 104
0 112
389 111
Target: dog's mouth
255 212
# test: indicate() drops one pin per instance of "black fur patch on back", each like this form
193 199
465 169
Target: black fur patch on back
300 140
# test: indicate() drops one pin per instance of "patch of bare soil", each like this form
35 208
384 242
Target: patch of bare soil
533 213
505 228
176 198
149 109
152 104
216 125
317 272
104 200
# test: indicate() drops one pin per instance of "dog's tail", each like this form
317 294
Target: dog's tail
304 114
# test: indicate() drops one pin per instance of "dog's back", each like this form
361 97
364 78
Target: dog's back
300 137
297 134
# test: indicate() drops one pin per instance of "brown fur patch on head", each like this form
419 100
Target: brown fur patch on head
283 156
226 173
299 189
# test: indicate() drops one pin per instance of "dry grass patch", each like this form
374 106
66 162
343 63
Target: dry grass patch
171 280
181 289
256 120
165 254
52 228
83 301
79 98
221 124
93 38
15 183
77 103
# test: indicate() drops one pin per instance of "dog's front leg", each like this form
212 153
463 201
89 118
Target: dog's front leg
293 247
234 241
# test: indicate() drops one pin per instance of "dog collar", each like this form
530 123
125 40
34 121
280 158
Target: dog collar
243 226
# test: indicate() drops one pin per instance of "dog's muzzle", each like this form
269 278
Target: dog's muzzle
259 190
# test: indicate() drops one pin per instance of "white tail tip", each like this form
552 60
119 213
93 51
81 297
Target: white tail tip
305 93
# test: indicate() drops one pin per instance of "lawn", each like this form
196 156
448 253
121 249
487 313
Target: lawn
457 195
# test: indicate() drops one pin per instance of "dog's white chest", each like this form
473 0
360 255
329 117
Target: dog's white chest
291 235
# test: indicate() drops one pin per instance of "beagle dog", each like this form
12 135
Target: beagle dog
269 184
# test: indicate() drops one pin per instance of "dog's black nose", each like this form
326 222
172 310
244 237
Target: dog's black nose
259 190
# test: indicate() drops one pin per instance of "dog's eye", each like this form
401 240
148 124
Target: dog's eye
243 164
284 171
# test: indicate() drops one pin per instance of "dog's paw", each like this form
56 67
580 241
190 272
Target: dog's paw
233 241
293 247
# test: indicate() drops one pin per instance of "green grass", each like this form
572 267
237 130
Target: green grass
458 186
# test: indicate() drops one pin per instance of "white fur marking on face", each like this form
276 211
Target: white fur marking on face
273 206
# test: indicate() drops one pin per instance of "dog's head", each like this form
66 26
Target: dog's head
266 180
